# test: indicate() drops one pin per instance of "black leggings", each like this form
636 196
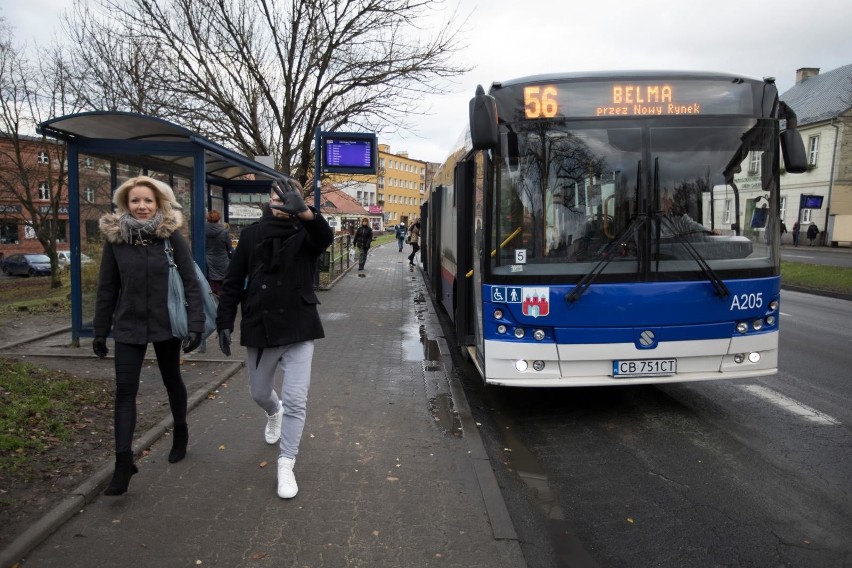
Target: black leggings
414 248
128 367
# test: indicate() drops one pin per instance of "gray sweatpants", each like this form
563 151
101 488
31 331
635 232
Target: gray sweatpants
295 363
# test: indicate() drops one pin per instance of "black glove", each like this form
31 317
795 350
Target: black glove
225 341
99 347
191 341
291 197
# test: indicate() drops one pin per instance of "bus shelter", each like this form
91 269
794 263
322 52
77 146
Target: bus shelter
106 148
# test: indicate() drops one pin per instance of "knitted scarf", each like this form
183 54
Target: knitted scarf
139 232
272 235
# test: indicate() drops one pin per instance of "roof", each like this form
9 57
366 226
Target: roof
336 202
220 162
821 97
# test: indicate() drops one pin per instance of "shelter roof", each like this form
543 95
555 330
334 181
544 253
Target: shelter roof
220 162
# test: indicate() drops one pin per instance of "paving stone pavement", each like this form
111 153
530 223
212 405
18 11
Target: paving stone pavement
387 472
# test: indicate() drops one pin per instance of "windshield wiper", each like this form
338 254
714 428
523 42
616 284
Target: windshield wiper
718 284
592 275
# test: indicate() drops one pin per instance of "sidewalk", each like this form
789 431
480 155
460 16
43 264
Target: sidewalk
391 469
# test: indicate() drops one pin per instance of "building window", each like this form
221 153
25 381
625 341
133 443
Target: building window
44 191
8 232
783 208
88 162
806 216
89 194
754 164
813 150
43 158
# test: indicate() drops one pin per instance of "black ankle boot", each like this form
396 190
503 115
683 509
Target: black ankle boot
180 437
124 468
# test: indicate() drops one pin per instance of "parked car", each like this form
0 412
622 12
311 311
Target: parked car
26 265
64 257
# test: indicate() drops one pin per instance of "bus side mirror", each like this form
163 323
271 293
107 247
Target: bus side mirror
792 147
483 121
793 150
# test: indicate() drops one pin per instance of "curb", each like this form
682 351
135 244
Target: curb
86 492
495 505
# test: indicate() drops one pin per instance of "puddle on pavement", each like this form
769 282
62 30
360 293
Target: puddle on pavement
445 415
334 316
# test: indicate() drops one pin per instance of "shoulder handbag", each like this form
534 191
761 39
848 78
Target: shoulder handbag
177 299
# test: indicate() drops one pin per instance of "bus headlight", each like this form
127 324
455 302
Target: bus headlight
739 358
754 357
538 365
770 320
773 305
521 365
501 329
757 325
742 327
538 334
498 314
519 332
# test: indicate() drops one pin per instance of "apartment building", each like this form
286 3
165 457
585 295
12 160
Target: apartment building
394 194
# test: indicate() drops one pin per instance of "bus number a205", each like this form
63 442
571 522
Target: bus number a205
747 301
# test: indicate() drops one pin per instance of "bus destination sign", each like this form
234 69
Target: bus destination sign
634 99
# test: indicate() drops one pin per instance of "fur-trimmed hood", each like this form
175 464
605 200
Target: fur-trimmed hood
109 226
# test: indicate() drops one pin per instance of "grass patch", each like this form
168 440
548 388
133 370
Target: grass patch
39 410
34 295
817 277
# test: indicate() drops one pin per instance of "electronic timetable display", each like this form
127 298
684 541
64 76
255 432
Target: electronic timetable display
349 152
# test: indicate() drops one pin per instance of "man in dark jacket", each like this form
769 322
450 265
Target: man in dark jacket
272 275
363 240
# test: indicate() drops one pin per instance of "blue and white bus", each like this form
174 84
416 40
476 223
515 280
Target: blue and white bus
615 228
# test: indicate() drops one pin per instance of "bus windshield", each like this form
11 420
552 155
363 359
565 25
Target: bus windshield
636 194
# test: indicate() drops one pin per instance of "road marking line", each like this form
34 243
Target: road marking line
791 405
784 314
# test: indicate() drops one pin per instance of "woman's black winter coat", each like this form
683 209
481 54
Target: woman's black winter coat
218 247
278 307
133 285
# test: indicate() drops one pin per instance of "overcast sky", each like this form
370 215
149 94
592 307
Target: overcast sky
506 39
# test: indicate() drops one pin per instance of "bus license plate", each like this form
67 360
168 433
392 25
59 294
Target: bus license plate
644 368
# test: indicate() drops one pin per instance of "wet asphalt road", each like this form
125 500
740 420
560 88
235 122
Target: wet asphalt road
735 473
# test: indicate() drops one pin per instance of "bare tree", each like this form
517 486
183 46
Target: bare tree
32 169
260 76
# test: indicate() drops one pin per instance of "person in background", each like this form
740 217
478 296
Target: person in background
218 248
272 275
783 230
796 230
400 235
813 233
132 301
414 240
363 240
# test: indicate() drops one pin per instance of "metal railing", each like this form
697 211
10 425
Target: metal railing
335 261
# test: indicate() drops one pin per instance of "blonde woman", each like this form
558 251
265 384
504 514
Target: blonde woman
132 302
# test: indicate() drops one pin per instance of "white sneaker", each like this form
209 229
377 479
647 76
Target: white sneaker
273 425
287 487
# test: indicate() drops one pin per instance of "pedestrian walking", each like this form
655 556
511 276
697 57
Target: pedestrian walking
363 240
132 302
414 240
218 250
813 233
272 275
400 235
796 229
783 231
